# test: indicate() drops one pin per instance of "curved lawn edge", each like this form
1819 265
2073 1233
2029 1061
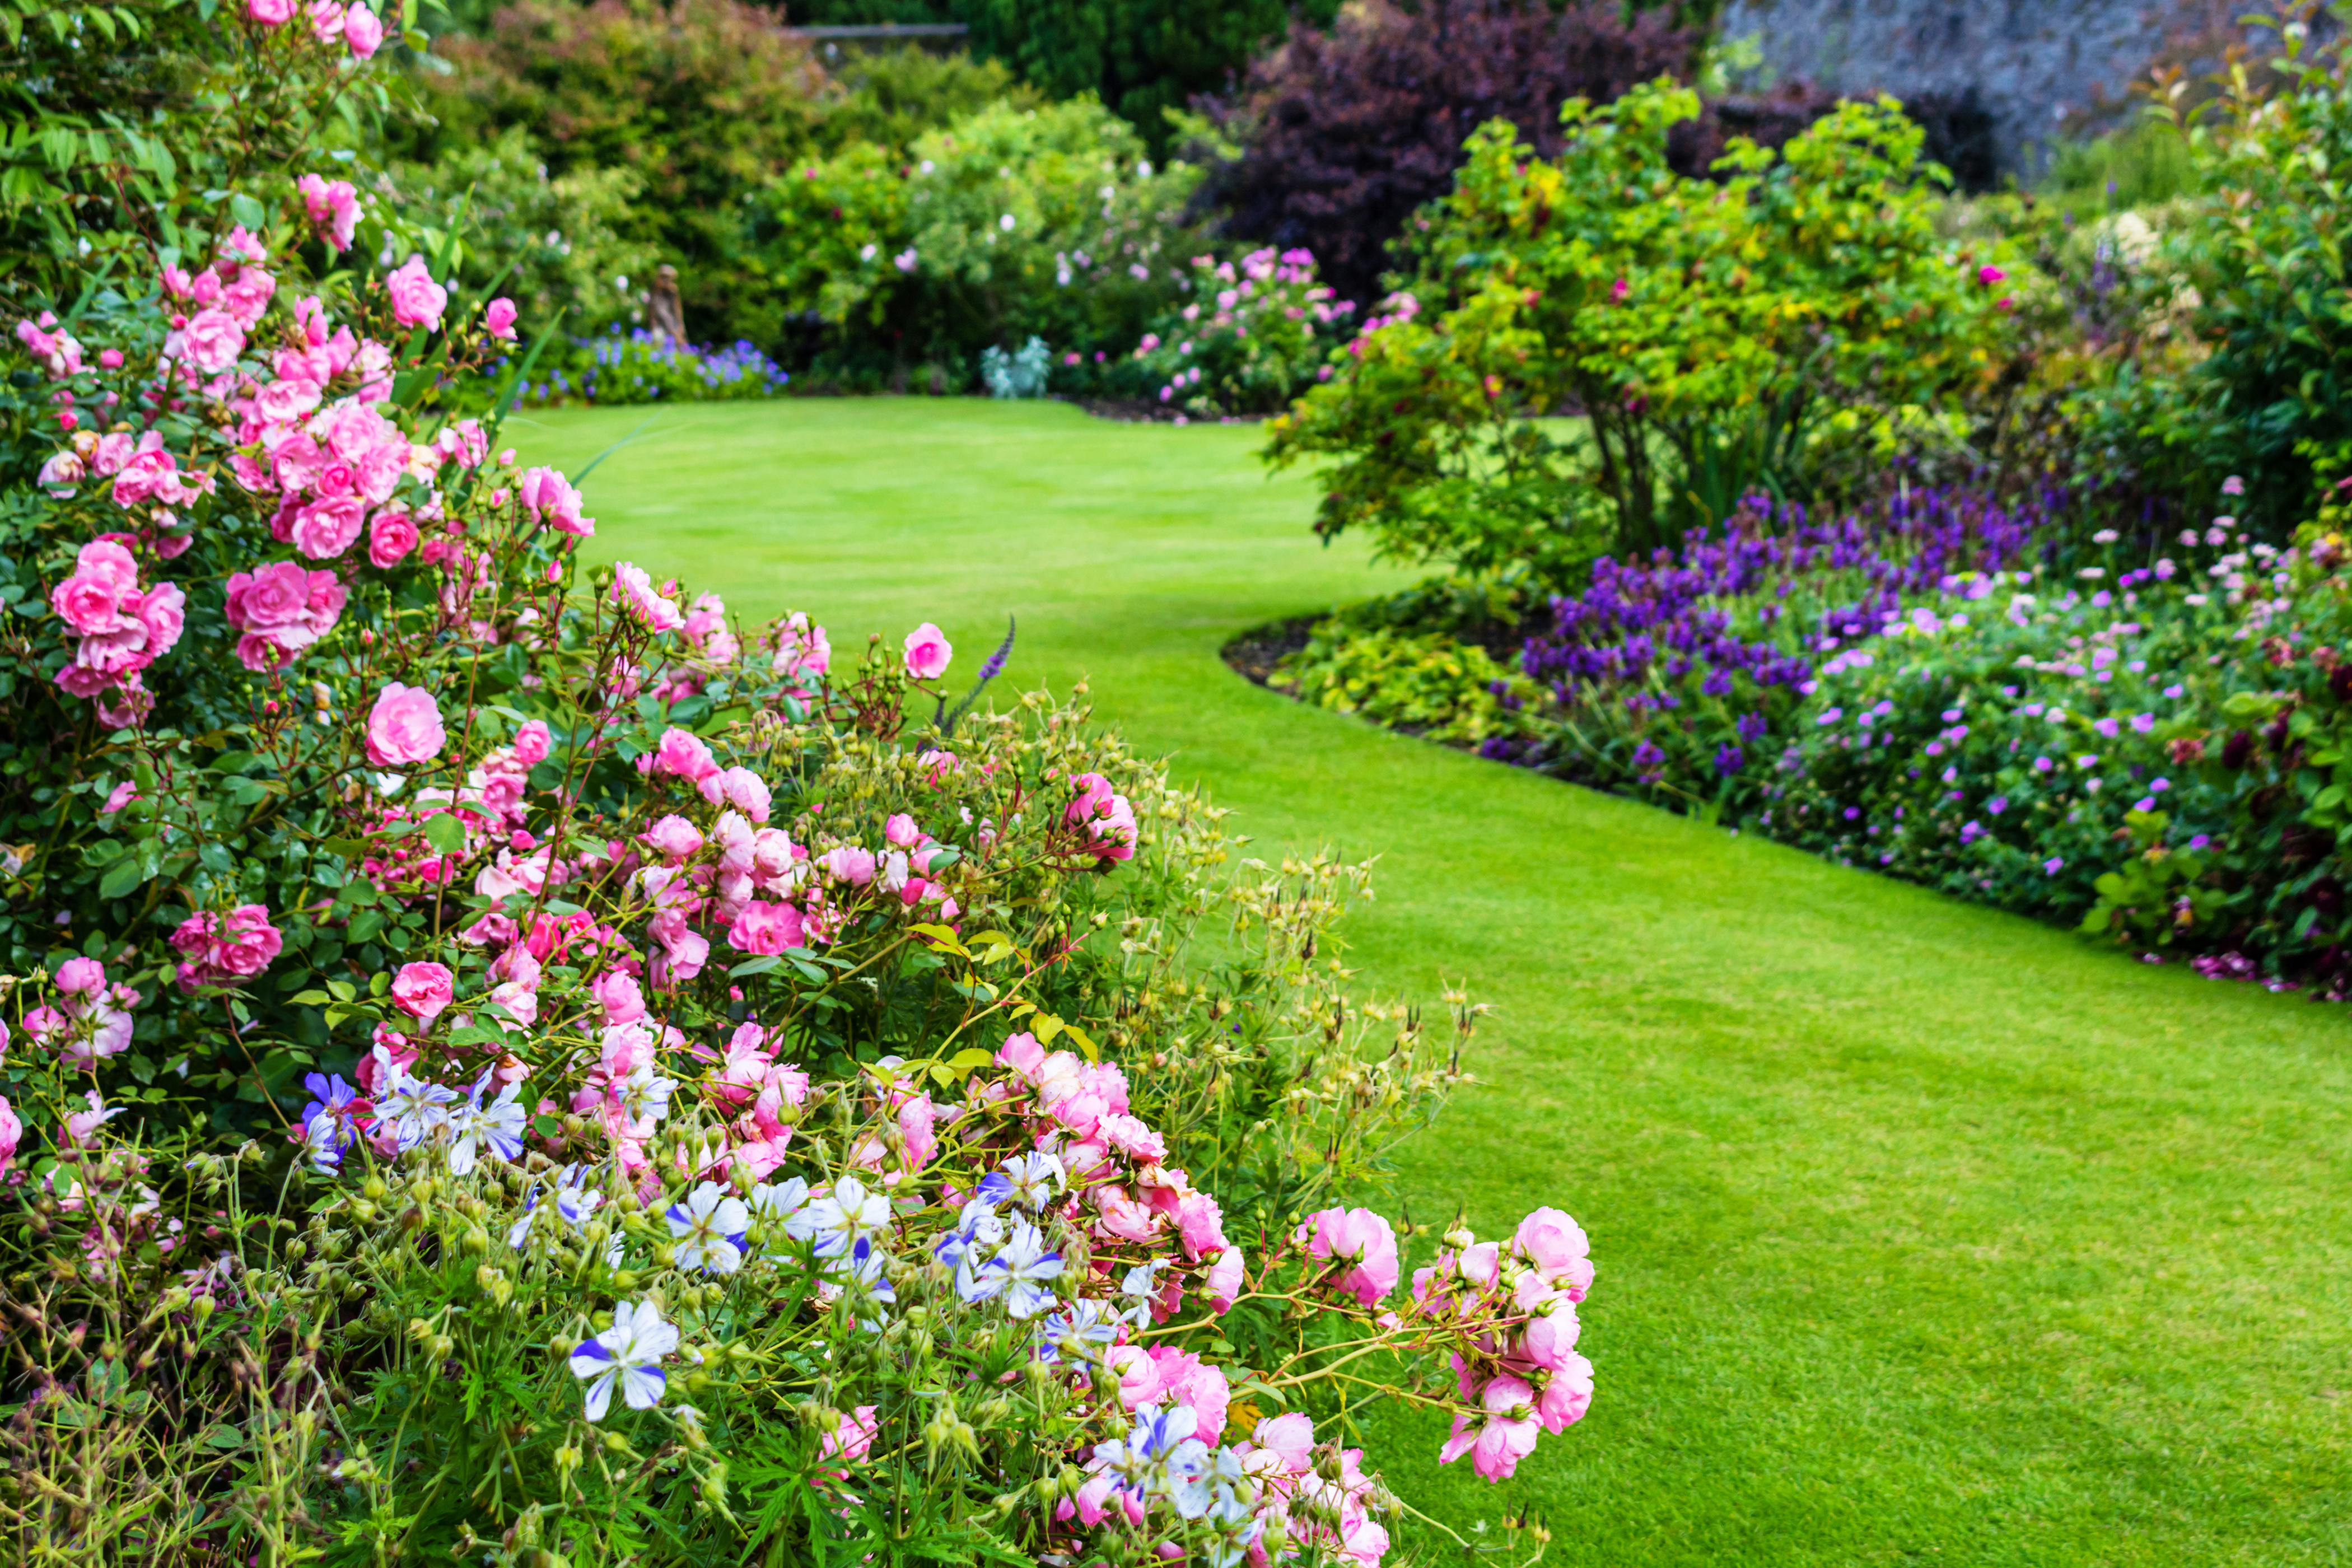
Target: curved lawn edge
1923 1230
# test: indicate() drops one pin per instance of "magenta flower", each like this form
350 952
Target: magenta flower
405 726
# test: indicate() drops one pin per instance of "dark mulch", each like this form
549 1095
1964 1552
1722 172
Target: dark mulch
1257 651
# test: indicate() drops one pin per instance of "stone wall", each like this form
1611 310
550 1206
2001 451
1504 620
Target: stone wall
2030 63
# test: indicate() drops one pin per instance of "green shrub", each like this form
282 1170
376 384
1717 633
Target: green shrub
1008 223
1717 337
574 244
1431 685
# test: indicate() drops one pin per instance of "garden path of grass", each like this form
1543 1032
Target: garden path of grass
1925 1234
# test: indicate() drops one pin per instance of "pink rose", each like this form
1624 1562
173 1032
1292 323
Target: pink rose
765 928
405 726
853 1438
212 340
12 1133
325 529
901 831
1555 1244
633 591
1360 1238
618 995
416 300
270 12
81 977
87 604
364 33
163 611
849 865
423 990
741 788
498 317
390 536
1201 1224
1567 1396
1504 1435
927 652
334 207
684 754
1224 1280
532 743
674 836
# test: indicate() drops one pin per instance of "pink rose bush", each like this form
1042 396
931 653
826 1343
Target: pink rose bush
771 1059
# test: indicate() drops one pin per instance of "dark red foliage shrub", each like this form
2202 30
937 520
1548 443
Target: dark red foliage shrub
1346 132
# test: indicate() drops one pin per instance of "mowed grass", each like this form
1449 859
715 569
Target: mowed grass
1925 1234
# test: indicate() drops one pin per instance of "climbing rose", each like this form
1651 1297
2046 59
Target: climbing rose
12 1133
421 990
218 948
927 652
499 317
416 300
391 537
363 32
333 208
405 726
1359 1238
212 340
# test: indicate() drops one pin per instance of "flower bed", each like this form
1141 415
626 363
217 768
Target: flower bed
2141 746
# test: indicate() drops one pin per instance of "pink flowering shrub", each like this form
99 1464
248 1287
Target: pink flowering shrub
1254 334
745 1098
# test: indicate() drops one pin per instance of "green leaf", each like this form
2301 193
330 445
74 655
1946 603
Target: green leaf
445 832
759 965
121 877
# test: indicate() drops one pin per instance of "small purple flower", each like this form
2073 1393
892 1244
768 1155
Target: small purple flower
1853 812
2042 765
1830 716
2143 722
1997 805
1729 759
2145 803
2158 786
2106 727
2052 866
2200 841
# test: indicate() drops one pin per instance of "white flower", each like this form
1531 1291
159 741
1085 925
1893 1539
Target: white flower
1021 1273
709 1228
473 1124
1005 223
644 1098
629 1352
846 1216
413 1109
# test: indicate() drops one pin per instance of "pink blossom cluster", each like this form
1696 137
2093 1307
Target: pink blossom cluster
1521 1372
281 609
1105 816
216 308
59 351
224 949
1300 1502
122 628
332 208
801 654
356 27
91 1019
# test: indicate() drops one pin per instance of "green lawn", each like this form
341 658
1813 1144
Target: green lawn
1925 1234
